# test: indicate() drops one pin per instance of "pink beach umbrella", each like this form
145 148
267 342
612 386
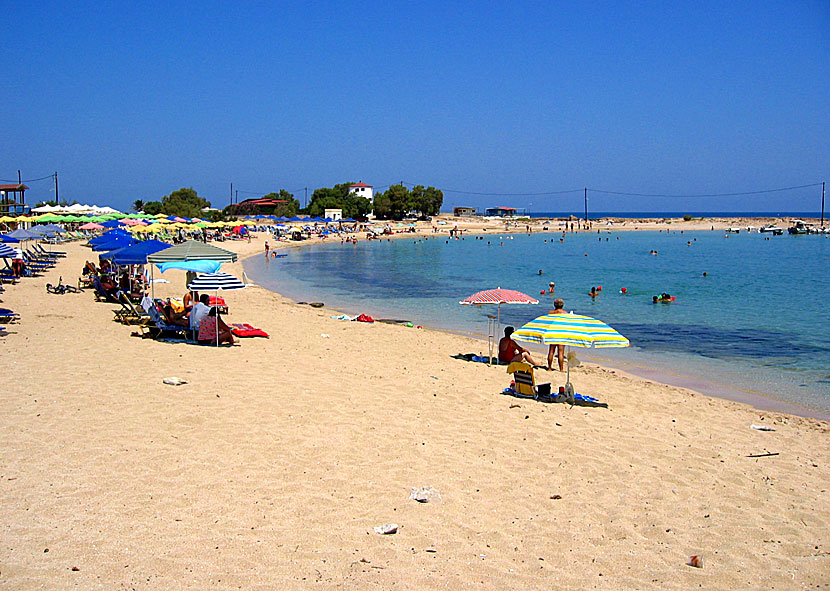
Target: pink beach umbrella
498 297
91 226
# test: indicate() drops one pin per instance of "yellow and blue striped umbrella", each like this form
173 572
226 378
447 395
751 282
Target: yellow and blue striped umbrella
570 329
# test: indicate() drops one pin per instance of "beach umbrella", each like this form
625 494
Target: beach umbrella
91 226
7 252
573 330
497 297
115 243
21 234
215 282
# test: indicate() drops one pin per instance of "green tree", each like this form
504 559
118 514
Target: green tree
184 203
338 197
152 207
427 201
287 209
138 205
394 203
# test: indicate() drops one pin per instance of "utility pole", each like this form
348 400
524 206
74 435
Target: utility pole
822 204
57 198
237 196
231 193
19 182
305 203
586 207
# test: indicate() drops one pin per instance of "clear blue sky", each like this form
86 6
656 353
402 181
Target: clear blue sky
131 101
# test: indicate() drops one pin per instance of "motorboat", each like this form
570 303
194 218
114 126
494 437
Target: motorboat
733 230
799 227
772 229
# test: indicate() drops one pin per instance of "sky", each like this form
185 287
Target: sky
492 102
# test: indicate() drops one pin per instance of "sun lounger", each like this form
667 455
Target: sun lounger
7 316
128 313
157 326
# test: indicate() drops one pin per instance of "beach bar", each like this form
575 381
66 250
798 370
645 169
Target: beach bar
13 199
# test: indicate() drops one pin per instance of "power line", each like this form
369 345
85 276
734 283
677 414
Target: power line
48 176
705 194
508 194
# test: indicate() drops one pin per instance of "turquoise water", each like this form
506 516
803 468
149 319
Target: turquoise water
759 321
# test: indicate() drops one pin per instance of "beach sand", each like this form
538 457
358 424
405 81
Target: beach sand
271 466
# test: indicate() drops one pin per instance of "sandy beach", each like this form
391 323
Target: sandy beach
270 468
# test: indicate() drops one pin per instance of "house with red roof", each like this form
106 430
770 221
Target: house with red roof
362 189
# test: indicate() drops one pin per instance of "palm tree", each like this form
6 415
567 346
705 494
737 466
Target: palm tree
138 205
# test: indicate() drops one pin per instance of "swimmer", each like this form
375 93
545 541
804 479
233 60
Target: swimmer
551 287
593 293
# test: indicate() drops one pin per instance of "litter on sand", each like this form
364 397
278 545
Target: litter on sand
174 381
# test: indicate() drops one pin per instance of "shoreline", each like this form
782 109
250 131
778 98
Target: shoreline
276 460
756 399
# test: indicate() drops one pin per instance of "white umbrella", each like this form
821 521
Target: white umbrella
215 282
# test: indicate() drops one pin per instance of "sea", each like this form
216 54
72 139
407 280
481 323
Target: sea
754 328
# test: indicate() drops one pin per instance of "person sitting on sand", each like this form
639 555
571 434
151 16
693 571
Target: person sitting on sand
199 311
190 298
175 318
510 351
212 329
557 349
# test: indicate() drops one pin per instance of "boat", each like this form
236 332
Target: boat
733 230
799 227
772 229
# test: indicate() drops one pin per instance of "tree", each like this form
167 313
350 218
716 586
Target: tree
53 203
394 203
138 205
183 203
427 201
152 207
287 209
339 197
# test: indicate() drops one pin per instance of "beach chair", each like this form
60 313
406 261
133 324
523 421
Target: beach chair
52 254
525 383
7 316
157 326
101 294
128 313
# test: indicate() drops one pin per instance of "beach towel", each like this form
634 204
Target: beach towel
365 318
246 330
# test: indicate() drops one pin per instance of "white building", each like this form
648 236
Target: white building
334 214
362 189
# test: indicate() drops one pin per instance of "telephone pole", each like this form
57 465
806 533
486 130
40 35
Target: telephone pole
231 194
822 204
305 204
586 207
57 198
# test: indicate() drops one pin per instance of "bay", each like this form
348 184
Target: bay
758 322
